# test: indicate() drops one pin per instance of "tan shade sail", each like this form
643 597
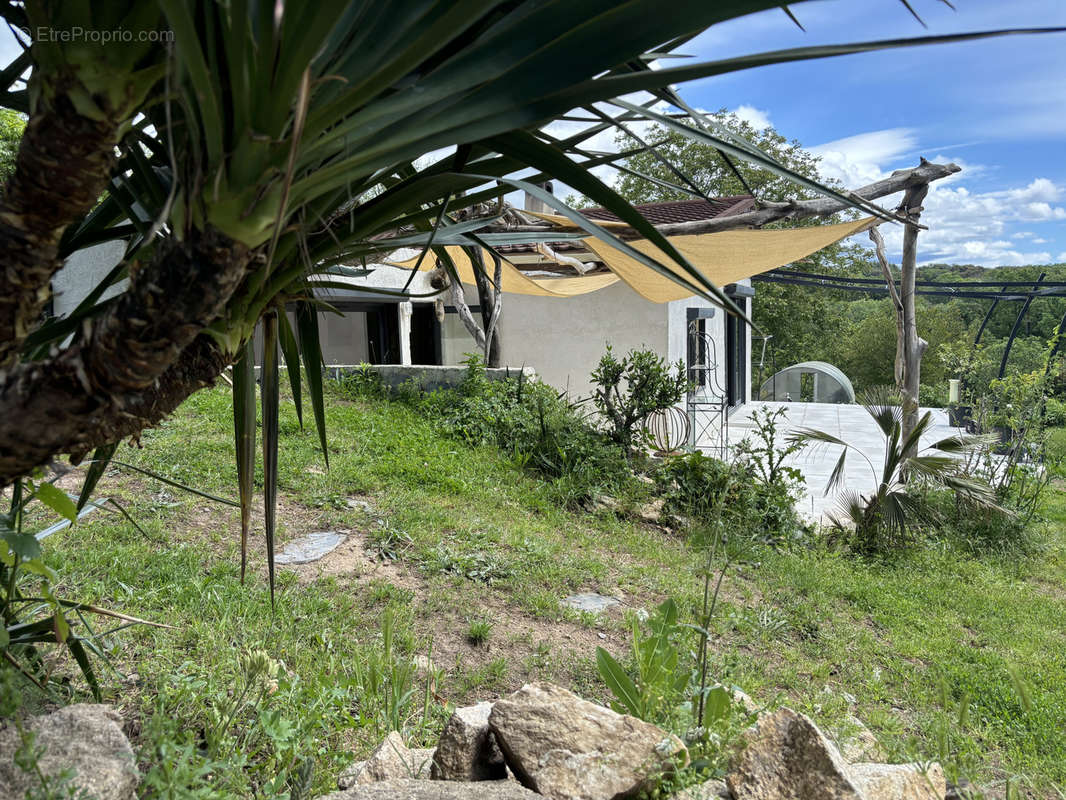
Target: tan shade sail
723 258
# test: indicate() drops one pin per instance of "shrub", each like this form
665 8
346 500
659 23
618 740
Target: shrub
536 426
629 390
703 489
1054 412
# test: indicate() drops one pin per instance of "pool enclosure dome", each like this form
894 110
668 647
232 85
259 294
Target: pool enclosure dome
808 382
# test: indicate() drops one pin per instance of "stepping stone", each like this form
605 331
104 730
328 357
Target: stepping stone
590 601
310 547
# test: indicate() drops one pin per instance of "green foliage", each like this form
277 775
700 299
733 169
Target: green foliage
629 390
479 631
659 681
707 170
12 124
866 350
526 419
1054 412
667 684
792 620
700 488
33 616
885 519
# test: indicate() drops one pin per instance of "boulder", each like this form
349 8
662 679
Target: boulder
409 789
467 748
859 743
786 757
391 760
567 748
709 790
899 781
86 741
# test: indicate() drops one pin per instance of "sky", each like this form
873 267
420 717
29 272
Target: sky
995 107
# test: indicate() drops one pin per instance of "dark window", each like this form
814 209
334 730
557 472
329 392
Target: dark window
425 335
736 355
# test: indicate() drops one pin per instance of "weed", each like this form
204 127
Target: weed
478 632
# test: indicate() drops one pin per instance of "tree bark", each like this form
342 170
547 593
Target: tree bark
898 181
913 345
61 170
886 270
119 375
69 420
487 300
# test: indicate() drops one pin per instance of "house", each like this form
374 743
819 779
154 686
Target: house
561 338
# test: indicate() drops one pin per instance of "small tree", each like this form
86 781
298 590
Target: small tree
633 388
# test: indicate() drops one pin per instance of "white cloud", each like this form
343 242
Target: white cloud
756 117
965 226
864 158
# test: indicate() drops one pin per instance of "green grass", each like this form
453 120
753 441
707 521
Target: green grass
461 534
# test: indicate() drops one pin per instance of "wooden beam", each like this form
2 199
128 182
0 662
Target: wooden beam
899 181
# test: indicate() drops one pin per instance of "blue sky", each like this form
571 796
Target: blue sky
995 107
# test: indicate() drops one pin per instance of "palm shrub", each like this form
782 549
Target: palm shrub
884 518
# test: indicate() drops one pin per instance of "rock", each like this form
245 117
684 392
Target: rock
467 748
786 757
744 701
567 748
309 548
711 790
85 739
390 761
899 781
590 601
963 790
408 789
651 512
859 744
604 502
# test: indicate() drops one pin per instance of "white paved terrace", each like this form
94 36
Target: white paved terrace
848 422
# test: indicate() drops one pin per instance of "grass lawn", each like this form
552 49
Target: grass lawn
468 556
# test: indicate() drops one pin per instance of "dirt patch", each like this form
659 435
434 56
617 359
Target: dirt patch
520 647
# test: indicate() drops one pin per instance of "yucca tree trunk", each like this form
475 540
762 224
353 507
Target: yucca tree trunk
62 168
488 300
132 367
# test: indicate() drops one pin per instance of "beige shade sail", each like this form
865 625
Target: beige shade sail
723 258
517 282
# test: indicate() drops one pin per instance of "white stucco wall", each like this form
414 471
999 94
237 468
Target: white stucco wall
563 339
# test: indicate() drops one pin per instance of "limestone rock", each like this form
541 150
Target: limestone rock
85 739
743 700
786 757
467 748
899 781
409 789
391 760
567 748
710 790
859 744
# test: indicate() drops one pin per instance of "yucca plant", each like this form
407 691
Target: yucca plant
882 518
261 150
